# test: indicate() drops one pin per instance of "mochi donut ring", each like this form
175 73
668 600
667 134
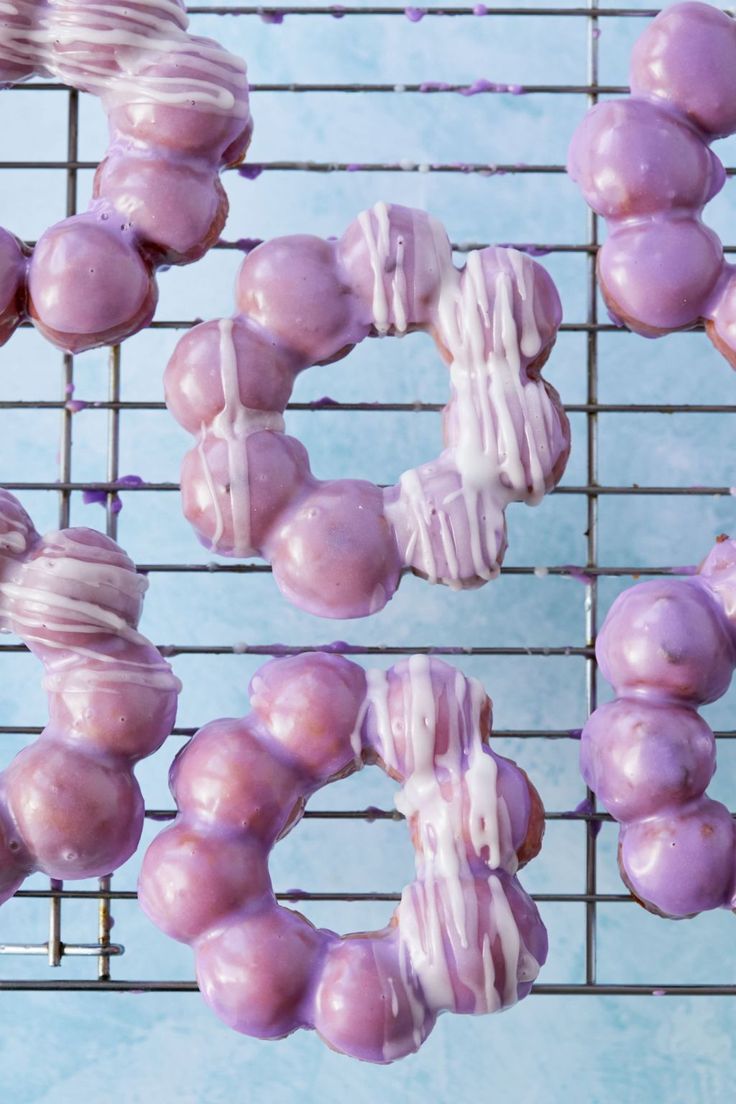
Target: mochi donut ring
177 106
668 646
338 547
646 166
69 803
465 936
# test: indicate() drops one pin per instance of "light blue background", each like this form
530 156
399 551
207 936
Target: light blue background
60 1049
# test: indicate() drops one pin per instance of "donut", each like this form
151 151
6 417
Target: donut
177 108
338 547
667 646
70 805
645 164
465 936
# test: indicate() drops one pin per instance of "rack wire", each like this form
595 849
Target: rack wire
101 948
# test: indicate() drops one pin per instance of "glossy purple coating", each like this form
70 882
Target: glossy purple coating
465 937
667 646
69 803
177 107
646 166
339 547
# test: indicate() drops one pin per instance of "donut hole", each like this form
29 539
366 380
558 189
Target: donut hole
371 853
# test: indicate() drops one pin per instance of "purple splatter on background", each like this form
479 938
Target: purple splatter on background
99 498
246 244
527 247
578 573
483 85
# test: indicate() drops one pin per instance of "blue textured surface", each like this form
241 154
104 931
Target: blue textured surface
130 1049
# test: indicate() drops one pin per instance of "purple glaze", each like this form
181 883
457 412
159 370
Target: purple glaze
272 16
70 804
415 15
465 937
129 481
245 244
579 574
250 171
177 107
645 165
586 806
338 547
667 646
483 85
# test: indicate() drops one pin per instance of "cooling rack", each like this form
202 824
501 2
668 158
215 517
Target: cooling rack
108 971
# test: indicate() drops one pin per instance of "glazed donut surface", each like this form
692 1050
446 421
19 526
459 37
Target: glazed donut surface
338 547
70 805
667 646
177 107
465 936
646 166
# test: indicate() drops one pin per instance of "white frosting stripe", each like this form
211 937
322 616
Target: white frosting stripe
233 425
503 425
390 305
109 49
451 917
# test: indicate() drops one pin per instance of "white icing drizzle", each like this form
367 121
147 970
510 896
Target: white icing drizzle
67 588
382 263
233 425
107 679
464 838
503 423
106 48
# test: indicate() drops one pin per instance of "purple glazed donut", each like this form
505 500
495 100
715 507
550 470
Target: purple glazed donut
177 107
338 548
667 646
465 936
70 805
646 166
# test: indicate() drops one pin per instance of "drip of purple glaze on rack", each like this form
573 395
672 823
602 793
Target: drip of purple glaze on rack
250 172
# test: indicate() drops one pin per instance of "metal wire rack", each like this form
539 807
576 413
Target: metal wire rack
101 948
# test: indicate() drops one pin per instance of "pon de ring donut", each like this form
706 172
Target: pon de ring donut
338 547
465 936
646 166
69 803
177 107
668 646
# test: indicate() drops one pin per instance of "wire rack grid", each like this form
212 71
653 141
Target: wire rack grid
101 947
